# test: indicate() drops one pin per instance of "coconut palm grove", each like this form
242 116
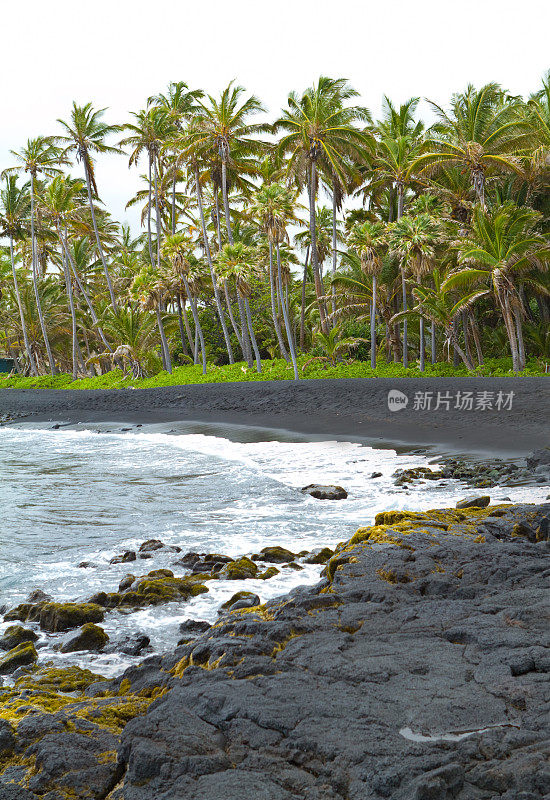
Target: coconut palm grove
318 241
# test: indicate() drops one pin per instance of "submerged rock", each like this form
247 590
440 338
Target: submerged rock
129 645
328 492
90 637
124 558
38 596
151 545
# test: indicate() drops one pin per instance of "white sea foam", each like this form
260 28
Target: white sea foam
69 496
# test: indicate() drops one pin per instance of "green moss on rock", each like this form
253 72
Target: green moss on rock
90 637
56 617
23 655
270 572
275 555
15 635
239 570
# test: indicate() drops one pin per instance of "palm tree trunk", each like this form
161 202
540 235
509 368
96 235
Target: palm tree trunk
405 325
274 314
288 328
477 342
98 240
319 291
198 328
183 335
521 344
451 332
466 337
400 209
165 349
35 286
84 292
69 290
373 325
252 336
206 243
422 346
174 204
189 333
149 201
433 344
303 304
28 350
510 330
334 249
157 209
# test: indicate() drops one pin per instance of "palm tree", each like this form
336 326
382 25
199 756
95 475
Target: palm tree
391 171
274 204
149 289
85 135
502 246
58 201
40 155
219 130
369 241
414 240
178 249
319 131
238 261
15 206
180 103
479 134
437 304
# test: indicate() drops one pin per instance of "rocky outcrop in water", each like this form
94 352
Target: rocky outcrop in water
415 670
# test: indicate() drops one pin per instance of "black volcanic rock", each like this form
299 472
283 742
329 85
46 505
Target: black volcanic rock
416 669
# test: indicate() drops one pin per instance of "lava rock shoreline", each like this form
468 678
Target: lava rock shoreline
416 669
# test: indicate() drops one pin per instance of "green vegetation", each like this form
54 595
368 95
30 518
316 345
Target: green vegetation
433 251
272 370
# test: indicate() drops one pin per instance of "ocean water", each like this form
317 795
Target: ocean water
74 495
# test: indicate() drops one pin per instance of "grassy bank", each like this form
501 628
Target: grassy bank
271 370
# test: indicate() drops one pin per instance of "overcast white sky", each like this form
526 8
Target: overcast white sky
118 52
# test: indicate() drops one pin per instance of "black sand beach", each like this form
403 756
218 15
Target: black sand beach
331 408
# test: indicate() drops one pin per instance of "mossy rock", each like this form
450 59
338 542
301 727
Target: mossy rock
149 591
16 634
239 570
56 617
23 655
474 501
391 517
160 573
241 600
90 637
24 612
321 557
275 555
270 572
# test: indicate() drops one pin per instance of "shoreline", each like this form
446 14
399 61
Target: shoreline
406 645
354 409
